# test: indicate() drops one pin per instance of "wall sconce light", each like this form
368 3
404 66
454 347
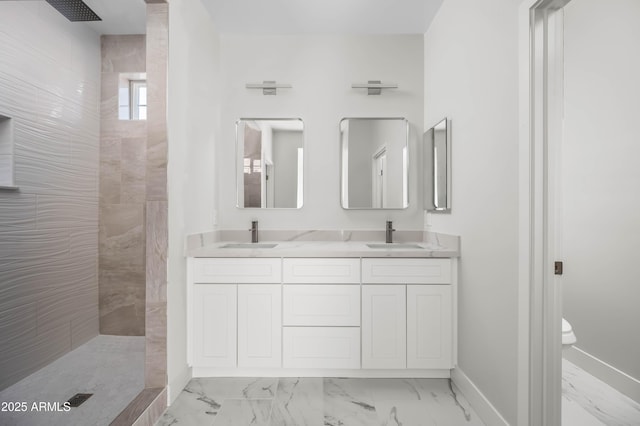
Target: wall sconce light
268 87
374 87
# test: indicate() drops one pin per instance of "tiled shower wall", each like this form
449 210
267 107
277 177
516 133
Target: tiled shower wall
49 87
123 162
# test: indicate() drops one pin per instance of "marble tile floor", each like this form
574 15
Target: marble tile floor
110 367
319 402
588 401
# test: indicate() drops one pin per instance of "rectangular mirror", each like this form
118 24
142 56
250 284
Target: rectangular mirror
269 162
374 168
437 179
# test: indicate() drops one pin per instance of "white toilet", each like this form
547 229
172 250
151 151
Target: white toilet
568 337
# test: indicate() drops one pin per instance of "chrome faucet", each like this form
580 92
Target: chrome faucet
254 231
389 234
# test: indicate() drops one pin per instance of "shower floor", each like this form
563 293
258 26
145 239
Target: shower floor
588 401
109 367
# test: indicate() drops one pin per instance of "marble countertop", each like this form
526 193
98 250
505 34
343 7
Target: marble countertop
308 244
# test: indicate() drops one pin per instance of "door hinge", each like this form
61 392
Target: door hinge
558 268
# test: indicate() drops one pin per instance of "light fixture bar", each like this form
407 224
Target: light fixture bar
374 87
268 87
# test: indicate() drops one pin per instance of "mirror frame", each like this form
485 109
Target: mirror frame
406 160
440 182
237 149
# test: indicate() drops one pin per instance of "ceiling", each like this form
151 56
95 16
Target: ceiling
322 16
283 16
119 16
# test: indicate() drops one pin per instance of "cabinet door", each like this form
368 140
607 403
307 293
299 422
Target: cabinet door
429 326
214 325
384 339
259 325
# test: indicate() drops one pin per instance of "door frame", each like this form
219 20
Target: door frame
540 135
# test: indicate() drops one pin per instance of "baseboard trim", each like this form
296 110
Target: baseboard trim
317 372
176 385
621 381
487 412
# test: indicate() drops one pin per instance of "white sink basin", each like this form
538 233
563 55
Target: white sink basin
394 246
249 245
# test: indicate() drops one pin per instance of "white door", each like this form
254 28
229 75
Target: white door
259 325
384 324
214 325
379 177
429 326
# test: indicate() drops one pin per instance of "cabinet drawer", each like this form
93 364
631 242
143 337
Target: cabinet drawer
321 271
321 347
321 305
237 271
406 271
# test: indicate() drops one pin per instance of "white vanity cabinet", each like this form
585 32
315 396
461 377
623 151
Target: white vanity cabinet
359 317
321 313
407 314
235 320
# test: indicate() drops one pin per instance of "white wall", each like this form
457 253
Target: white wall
50 86
601 179
321 70
471 70
193 123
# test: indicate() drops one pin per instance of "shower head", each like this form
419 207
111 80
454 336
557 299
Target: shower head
74 10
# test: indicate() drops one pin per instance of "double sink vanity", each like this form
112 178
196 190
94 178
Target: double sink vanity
323 303
327 303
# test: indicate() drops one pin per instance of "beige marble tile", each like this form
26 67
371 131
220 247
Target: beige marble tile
151 413
156 183
156 345
122 236
156 190
123 53
157 51
122 302
133 170
157 167
156 251
122 322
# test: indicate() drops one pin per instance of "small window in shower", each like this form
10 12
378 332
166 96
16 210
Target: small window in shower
6 152
132 96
